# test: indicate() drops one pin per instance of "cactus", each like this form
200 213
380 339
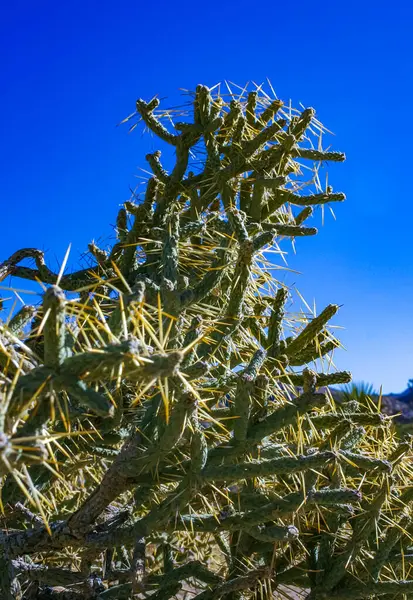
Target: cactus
159 420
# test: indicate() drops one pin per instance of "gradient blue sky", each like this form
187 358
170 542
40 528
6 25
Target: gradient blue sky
71 71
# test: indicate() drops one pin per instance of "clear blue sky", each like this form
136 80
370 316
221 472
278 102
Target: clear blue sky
70 71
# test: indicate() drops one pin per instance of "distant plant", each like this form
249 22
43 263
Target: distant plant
358 390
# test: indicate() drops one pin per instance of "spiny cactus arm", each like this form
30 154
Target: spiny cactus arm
238 584
69 282
344 435
367 590
192 569
292 230
48 575
174 185
240 281
365 463
265 135
253 368
298 125
330 420
8 267
311 353
273 533
191 229
211 143
246 188
250 108
138 565
282 196
202 106
170 250
303 215
255 328
122 313
114 483
256 201
242 407
230 121
313 199
101 256
311 330
353 438
174 429
145 110
142 214
193 333
270 112
277 466
94 366
261 240
28 387
275 323
155 163
322 379
386 545
8 581
210 280
89 398
237 137
285 416
317 155
55 350
21 319
236 219
122 225
363 526
274 158
333 497
130 461
38 540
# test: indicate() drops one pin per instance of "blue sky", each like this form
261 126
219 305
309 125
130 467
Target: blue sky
71 71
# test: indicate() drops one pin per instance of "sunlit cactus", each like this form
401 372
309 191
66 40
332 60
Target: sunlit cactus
165 419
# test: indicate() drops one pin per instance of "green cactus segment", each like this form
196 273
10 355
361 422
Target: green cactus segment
311 353
89 399
311 330
162 420
274 533
366 463
322 379
54 327
367 590
332 497
277 466
365 419
146 110
242 407
363 528
386 545
8 582
276 320
21 320
285 415
303 215
122 313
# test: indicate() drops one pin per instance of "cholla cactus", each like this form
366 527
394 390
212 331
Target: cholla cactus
159 426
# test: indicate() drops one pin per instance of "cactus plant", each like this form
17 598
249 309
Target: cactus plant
160 424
